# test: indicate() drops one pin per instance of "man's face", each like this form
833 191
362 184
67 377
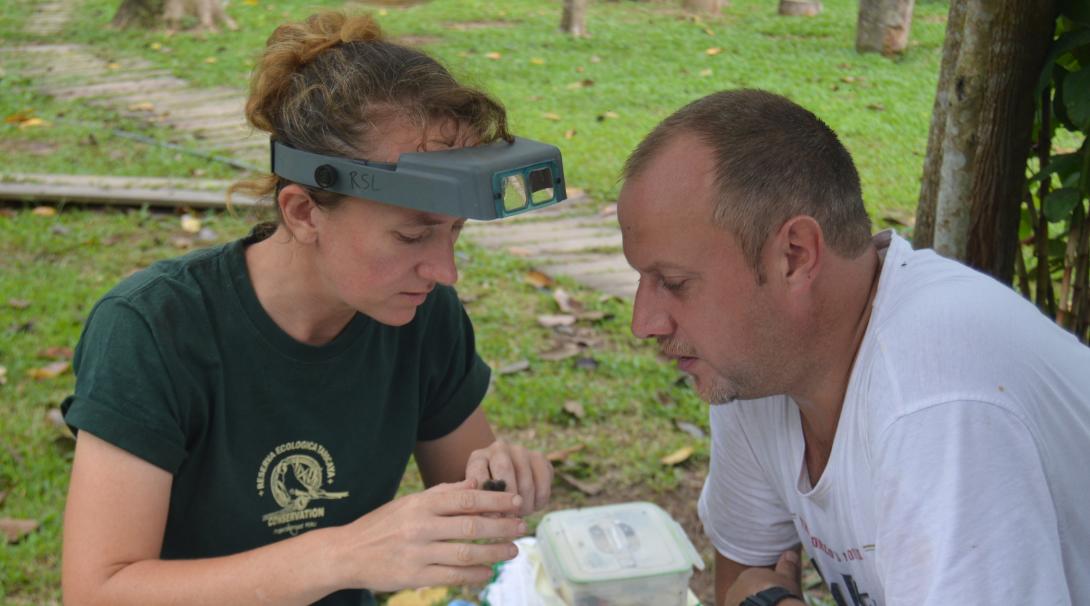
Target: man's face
697 295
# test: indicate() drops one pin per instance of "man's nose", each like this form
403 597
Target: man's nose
648 317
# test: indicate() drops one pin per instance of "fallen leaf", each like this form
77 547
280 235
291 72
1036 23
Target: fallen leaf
537 61
56 353
561 351
610 115
565 302
190 224
250 2
3 375
551 116
44 211
33 122
704 73
587 488
575 409
559 455
878 107
569 134
18 117
578 84
15 529
690 429
210 60
848 79
49 371
155 46
493 56
19 303
708 30
595 59
580 69
678 456
592 316
60 229
551 320
56 419
538 279
514 367
143 106
587 363
713 51
113 66
428 596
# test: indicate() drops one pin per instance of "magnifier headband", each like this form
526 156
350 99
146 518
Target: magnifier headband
484 182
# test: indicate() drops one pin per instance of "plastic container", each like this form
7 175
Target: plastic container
630 554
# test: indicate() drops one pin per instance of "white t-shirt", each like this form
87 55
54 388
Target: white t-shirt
960 469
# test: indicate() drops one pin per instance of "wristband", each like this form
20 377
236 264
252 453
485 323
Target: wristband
769 597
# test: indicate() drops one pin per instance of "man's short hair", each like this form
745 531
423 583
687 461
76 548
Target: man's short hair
774 160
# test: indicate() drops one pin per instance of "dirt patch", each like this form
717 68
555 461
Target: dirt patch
463 26
29 148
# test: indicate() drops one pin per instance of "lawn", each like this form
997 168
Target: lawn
594 97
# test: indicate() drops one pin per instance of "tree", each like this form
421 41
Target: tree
707 7
797 8
883 26
172 13
574 19
974 172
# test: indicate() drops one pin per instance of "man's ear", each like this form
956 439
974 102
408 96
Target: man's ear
802 244
297 212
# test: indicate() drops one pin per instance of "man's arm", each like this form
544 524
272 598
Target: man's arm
734 581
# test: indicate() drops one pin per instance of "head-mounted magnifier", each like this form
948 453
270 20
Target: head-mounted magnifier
485 182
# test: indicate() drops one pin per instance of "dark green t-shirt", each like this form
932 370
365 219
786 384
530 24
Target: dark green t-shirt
266 437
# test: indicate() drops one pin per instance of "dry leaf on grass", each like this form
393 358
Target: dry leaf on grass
678 456
551 320
493 56
15 529
566 303
3 375
538 279
143 106
44 211
560 351
190 224
690 429
713 51
557 456
583 486
575 409
49 371
56 353
18 303
569 134
551 116
519 251
592 316
514 367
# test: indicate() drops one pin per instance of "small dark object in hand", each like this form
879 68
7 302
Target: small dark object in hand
494 485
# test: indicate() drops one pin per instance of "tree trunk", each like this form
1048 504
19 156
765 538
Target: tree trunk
883 26
574 20
974 173
143 13
707 7
148 13
800 8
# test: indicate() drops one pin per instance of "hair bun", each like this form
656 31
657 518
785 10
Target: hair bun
323 31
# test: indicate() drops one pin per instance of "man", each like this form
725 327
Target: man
920 429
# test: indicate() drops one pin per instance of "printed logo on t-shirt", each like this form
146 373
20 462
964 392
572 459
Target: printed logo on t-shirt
840 569
295 478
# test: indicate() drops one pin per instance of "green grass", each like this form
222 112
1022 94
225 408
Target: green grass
645 59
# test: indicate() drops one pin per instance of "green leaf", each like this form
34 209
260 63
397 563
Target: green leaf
1060 203
1063 45
1076 96
1063 165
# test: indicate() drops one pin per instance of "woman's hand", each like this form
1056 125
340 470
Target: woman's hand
425 539
525 472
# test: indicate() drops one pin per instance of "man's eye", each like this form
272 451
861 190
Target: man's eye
673 287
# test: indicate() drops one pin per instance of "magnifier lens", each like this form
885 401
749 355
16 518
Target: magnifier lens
514 193
541 185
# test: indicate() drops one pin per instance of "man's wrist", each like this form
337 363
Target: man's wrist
770 597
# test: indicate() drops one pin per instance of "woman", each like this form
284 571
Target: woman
246 412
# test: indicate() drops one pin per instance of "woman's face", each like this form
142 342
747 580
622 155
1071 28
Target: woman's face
383 260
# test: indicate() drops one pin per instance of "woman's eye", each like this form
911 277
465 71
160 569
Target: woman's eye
409 239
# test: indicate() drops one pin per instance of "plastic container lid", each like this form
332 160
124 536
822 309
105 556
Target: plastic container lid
614 542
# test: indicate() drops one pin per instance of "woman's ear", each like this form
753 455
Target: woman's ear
297 210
